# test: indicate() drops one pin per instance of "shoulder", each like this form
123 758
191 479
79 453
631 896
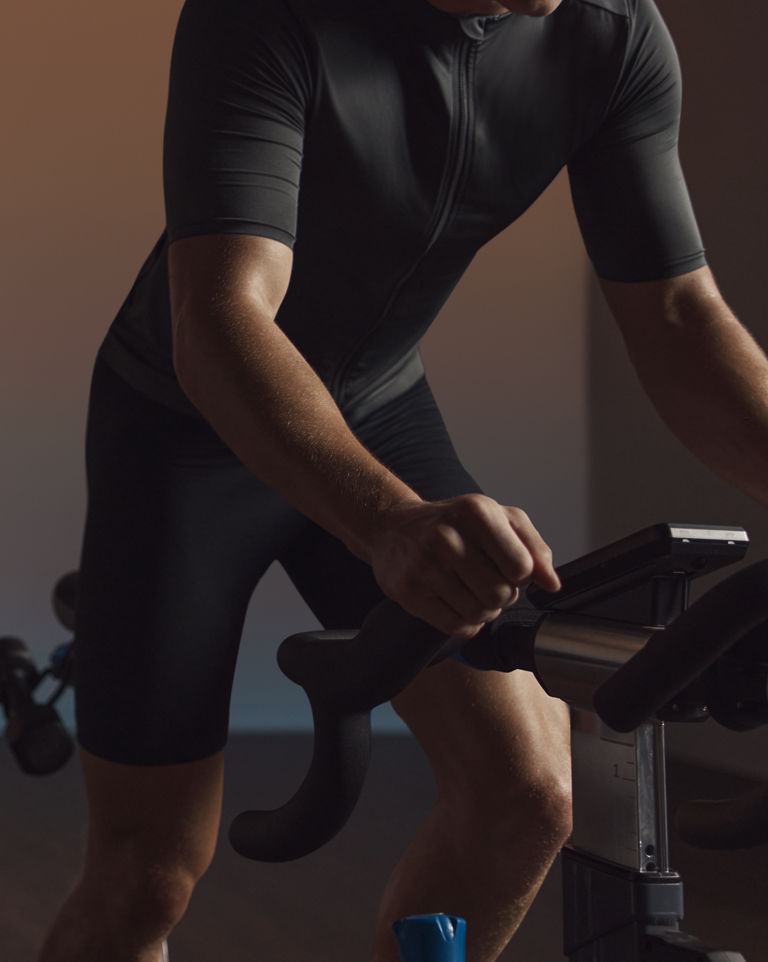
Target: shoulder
632 20
646 92
632 11
231 25
249 43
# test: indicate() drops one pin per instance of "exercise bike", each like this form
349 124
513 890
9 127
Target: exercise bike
619 643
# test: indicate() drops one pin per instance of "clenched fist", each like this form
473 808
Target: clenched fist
458 563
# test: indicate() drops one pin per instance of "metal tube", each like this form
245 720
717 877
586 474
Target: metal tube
574 655
660 781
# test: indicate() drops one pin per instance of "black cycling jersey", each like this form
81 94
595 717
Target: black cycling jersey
386 141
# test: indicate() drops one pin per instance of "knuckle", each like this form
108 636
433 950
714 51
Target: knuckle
443 540
546 555
522 568
527 565
473 506
518 515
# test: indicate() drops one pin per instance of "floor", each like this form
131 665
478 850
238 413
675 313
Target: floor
322 908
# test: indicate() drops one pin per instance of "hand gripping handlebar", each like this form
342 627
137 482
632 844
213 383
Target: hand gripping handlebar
345 674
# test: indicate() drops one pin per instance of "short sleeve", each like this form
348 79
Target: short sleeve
626 181
239 89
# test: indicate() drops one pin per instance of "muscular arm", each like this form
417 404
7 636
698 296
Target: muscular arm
454 564
702 370
259 393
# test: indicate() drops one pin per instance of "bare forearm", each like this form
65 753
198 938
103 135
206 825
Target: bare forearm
269 406
708 379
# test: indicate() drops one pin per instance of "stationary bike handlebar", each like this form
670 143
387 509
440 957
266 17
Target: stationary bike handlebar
346 674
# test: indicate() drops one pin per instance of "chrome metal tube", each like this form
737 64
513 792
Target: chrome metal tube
574 655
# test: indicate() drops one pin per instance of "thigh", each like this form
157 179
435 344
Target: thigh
177 534
160 822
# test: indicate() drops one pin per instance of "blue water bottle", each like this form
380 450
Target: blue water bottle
431 938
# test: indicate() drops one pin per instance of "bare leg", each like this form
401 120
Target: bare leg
151 836
499 748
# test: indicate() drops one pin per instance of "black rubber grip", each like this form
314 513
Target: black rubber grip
324 802
345 675
726 823
675 657
355 671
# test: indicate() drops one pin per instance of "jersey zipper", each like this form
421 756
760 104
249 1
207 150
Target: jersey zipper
453 180
452 183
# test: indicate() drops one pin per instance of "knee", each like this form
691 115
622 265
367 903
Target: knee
144 892
543 802
158 896
519 807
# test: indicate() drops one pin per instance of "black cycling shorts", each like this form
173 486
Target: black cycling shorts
178 534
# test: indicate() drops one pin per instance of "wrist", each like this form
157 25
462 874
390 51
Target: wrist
376 517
